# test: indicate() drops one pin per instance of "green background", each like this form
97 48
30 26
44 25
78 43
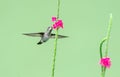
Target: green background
85 22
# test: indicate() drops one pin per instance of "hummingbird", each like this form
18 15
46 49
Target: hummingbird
45 36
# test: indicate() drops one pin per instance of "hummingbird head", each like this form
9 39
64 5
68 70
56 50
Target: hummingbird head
49 30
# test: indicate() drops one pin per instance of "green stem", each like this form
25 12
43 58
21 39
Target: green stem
55 46
101 44
102 74
108 35
58 9
103 69
54 57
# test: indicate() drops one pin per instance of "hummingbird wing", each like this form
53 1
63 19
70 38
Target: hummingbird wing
40 34
59 36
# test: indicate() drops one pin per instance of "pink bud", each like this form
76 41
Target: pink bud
54 19
105 62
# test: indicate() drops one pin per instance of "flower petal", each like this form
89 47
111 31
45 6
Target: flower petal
54 18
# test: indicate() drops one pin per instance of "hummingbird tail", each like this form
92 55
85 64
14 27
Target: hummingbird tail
39 43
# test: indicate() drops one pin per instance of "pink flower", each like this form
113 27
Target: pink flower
54 19
105 62
58 24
